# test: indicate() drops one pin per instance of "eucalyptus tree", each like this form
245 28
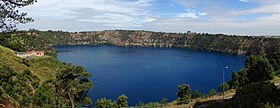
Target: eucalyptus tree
10 14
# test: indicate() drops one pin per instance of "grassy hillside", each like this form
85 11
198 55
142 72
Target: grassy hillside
8 58
45 67
36 82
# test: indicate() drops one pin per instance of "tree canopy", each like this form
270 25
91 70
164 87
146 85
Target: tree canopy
184 93
73 84
122 101
10 15
212 92
259 69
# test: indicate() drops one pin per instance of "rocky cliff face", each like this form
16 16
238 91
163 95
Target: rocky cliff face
209 42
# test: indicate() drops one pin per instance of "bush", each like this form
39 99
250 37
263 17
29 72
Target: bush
223 86
255 94
196 94
122 101
233 84
104 103
212 92
259 69
184 94
163 100
87 101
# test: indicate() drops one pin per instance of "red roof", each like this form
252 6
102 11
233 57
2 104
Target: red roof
30 52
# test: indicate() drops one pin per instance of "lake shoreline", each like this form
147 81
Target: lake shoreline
112 65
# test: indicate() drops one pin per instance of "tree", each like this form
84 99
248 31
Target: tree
10 15
140 104
44 96
234 80
259 69
242 77
196 94
223 86
104 103
122 101
163 100
87 101
256 93
184 93
17 86
212 92
274 59
73 84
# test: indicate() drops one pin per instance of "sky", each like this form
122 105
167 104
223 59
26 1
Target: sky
238 17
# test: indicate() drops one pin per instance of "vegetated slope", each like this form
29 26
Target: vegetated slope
24 41
18 83
45 67
8 58
198 41
38 81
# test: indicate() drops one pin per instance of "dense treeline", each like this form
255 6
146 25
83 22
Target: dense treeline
254 84
24 41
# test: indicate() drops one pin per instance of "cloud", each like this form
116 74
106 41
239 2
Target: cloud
247 17
105 12
262 18
244 1
191 14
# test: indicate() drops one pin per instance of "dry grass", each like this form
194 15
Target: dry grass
228 94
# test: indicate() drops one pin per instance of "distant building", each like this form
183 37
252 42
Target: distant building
35 53
21 54
30 53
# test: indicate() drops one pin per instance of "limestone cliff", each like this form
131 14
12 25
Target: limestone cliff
202 41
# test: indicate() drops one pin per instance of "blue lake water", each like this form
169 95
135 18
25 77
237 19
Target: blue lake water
148 74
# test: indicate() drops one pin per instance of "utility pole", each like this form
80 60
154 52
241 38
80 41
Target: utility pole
223 84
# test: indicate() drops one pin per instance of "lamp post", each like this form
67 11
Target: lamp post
223 84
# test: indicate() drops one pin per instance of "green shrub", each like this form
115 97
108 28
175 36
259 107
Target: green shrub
184 94
255 94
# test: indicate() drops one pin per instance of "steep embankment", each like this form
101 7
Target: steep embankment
209 42
36 81
18 83
8 58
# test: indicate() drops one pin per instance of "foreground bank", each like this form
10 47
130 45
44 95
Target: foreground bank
41 81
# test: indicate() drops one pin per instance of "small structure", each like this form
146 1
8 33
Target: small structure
21 54
30 53
35 53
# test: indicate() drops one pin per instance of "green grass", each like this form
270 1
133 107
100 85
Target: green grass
45 67
9 58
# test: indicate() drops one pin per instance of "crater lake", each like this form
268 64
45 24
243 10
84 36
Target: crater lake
148 74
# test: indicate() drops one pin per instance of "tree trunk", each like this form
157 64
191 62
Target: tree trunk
72 101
